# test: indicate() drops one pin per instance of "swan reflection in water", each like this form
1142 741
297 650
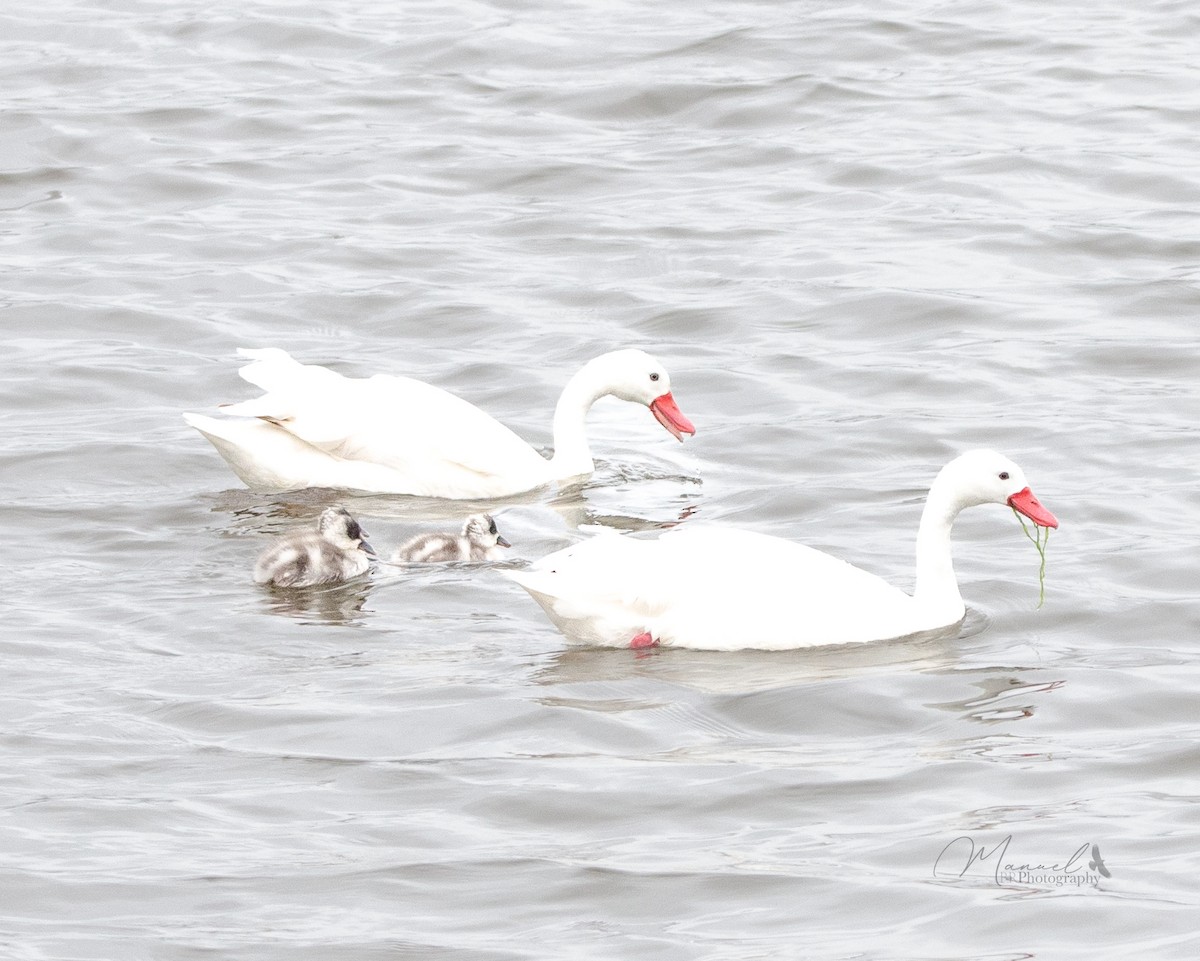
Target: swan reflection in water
340 604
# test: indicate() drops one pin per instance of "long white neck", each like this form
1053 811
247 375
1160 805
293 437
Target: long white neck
937 588
572 456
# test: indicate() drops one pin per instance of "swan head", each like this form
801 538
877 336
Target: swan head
635 376
985 477
481 529
338 527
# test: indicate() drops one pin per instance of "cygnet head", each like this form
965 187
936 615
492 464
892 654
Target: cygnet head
338 527
985 477
635 376
481 531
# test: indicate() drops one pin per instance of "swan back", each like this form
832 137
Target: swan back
382 432
710 588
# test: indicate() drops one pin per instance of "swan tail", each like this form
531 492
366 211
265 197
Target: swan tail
242 442
268 365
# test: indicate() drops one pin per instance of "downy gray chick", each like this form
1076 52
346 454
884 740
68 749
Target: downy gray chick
337 551
479 541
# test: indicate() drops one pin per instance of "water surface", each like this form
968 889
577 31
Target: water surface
862 238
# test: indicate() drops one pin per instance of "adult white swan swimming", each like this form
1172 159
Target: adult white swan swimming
315 428
721 589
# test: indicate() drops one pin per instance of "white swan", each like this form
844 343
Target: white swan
480 540
393 435
721 589
337 551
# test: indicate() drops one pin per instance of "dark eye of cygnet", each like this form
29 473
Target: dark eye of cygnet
353 531
492 529
654 376
1004 475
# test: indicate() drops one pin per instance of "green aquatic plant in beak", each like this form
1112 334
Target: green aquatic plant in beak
1040 538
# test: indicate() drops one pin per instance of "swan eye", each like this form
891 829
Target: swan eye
654 376
1004 475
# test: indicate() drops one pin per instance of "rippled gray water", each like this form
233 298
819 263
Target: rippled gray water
862 238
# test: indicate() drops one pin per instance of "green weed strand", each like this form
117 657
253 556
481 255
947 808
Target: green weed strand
1040 538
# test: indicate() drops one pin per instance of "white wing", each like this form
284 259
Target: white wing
397 424
713 588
